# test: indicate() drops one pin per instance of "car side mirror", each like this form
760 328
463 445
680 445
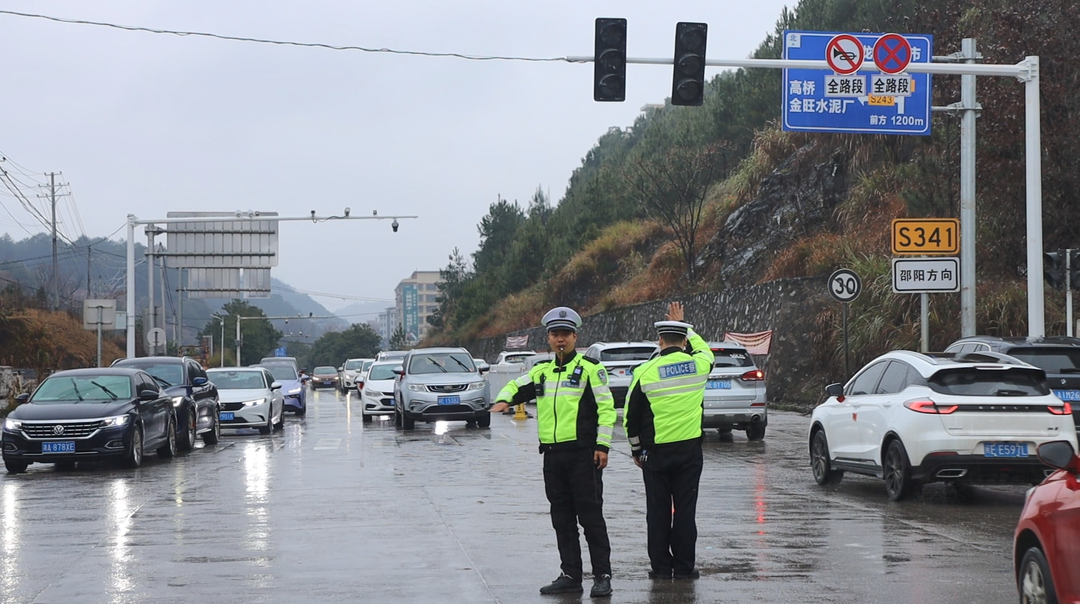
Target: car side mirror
483 367
1059 454
399 370
199 381
341 369
836 390
275 386
148 395
22 398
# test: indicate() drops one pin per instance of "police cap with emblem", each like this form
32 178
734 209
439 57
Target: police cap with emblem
562 318
672 328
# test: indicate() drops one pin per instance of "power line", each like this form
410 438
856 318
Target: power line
338 296
321 45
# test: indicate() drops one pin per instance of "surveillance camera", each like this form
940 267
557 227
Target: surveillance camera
374 212
347 210
394 225
313 213
256 212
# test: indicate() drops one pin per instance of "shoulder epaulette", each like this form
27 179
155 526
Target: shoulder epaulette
590 359
539 363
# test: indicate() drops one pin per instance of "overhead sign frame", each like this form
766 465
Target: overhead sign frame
809 108
926 236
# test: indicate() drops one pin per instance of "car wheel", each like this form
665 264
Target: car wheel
280 425
756 431
65 466
397 418
820 462
135 453
15 466
484 420
187 442
1036 584
212 436
725 435
269 427
302 411
169 448
367 418
407 423
897 471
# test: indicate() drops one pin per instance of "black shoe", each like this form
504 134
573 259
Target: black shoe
601 587
694 574
659 575
565 584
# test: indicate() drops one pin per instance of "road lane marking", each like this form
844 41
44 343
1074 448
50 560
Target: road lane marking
327 443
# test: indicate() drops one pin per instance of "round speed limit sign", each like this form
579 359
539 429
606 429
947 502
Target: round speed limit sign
844 285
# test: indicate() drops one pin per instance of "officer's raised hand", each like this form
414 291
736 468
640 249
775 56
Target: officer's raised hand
675 311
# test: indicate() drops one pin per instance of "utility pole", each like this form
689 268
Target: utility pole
55 265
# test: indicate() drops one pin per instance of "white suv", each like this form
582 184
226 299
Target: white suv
912 418
620 359
350 370
735 393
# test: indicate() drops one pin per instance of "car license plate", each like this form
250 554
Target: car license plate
61 447
327 383
1068 395
449 400
724 384
1005 450
227 416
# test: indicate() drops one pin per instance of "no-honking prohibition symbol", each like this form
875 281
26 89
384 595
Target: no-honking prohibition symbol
845 54
892 53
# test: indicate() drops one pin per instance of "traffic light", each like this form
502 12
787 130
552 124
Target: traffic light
1074 270
609 60
688 83
1054 268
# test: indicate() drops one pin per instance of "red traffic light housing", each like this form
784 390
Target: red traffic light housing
1054 269
688 83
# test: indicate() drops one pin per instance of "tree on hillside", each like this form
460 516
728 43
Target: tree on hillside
672 187
358 341
258 337
397 339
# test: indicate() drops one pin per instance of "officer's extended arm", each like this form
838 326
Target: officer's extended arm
703 355
515 392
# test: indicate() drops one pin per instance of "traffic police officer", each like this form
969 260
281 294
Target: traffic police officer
575 417
663 424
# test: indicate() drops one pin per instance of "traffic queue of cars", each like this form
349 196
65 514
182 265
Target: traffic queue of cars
160 404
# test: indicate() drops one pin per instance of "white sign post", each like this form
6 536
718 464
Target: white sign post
924 276
97 313
844 287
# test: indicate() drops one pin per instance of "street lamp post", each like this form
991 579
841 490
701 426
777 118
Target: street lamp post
286 318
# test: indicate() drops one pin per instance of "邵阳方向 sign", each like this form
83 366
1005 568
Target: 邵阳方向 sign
925 275
867 102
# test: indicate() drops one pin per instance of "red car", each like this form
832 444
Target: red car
1046 547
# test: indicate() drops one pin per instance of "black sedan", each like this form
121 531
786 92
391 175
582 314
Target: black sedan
195 398
90 414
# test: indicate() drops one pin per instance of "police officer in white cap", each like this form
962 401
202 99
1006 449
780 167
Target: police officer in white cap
663 424
575 418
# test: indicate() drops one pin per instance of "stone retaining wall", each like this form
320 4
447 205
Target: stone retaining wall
785 306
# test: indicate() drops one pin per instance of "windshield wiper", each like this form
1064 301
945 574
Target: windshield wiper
463 365
76 388
1008 392
107 391
1071 370
161 381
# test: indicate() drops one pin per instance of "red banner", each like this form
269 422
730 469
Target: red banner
755 343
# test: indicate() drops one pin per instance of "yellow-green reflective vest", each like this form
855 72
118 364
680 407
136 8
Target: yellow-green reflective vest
672 386
574 407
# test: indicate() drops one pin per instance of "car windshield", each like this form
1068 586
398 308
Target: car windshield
1050 360
367 365
732 358
381 372
172 374
353 364
324 371
237 380
629 353
84 388
441 362
282 372
517 358
978 382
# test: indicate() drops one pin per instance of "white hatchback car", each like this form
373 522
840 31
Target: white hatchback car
351 370
620 359
912 418
377 390
250 398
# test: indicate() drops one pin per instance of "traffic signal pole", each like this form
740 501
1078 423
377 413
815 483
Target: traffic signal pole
1026 71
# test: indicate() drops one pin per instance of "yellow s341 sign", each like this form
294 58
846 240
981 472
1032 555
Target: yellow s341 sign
926 236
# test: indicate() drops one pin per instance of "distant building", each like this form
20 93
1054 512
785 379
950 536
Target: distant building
387 324
415 302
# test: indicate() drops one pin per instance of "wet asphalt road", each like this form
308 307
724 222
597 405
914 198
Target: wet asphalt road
333 510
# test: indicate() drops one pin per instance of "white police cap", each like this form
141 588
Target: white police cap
677 328
562 318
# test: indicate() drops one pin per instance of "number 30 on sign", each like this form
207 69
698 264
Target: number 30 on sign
926 236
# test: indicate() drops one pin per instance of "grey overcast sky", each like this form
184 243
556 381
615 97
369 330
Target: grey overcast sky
147 123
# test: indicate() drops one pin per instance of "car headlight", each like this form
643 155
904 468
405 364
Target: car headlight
476 386
119 420
418 387
373 393
12 424
255 402
176 400
294 391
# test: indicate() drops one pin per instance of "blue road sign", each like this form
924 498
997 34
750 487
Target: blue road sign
867 102
280 352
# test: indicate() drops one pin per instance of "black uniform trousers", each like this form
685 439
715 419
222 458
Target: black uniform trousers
672 472
575 489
